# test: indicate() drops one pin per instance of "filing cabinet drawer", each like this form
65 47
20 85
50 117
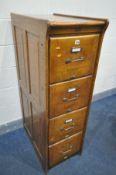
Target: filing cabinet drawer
62 150
72 57
66 125
68 96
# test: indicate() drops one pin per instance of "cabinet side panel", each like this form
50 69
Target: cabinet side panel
22 77
32 67
36 91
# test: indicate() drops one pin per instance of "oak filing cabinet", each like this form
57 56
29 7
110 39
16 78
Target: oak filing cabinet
57 57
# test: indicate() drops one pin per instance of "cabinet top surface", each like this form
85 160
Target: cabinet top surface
61 19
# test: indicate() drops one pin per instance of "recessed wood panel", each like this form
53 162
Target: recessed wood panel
38 130
20 57
33 65
27 113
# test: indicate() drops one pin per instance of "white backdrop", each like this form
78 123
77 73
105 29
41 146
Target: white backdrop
106 77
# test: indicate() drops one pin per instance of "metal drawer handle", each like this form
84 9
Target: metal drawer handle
67 151
67 129
76 60
65 99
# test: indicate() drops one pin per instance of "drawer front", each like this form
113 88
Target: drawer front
68 96
72 57
62 150
66 125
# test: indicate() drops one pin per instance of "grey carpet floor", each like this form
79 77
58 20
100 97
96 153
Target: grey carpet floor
17 156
